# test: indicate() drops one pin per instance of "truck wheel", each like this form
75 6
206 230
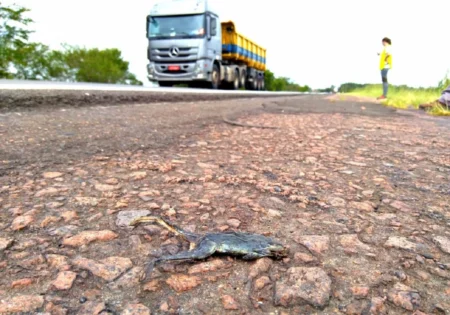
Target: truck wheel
215 77
242 79
255 84
236 80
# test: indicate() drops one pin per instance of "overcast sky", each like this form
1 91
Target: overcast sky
314 42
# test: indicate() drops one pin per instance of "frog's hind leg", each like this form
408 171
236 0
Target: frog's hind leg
188 236
256 255
202 251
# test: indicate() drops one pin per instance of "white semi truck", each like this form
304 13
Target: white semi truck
189 44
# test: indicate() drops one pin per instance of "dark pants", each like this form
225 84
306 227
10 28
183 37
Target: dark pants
384 79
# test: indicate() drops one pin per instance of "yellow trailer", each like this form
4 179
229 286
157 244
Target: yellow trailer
239 49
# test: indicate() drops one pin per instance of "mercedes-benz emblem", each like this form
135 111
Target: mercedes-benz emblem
174 51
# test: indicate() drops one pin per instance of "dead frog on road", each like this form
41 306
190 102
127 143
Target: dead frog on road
248 246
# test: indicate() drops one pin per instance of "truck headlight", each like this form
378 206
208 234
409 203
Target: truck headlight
150 68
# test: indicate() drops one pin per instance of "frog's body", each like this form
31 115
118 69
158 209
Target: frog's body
246 245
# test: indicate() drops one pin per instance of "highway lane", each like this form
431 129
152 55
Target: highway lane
48 85
354 180
58 135
18 95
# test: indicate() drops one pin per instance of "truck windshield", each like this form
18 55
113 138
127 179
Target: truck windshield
185 26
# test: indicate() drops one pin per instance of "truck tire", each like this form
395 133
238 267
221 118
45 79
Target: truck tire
242 79
255 84
236 82
215 78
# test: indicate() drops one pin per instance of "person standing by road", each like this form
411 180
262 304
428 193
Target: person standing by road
385 65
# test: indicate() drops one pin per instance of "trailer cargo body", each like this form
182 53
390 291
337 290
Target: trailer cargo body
238 48
188 44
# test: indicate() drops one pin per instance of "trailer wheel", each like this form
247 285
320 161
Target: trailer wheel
242 79
215 77
255 84
236 80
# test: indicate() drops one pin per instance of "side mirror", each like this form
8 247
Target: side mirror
213 27
147 26
208 27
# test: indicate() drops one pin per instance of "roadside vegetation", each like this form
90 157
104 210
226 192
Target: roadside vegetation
440 110
402 96
22 59
274 83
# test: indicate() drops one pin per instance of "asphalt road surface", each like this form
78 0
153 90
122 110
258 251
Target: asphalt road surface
358 192
48 85
17 94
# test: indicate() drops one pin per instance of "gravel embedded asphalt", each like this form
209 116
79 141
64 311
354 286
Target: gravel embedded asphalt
51 99
358 192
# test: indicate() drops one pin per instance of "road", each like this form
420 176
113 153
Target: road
17 94
358 192
48 85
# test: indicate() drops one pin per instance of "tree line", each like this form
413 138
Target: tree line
23 59
273 83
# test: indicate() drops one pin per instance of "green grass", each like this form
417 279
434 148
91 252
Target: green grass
404 97
440 110
400 97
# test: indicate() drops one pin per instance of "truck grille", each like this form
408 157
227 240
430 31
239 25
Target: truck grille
164 55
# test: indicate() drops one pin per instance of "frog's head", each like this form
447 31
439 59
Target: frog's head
278 250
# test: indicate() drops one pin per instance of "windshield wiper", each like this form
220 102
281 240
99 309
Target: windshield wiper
186 35
159 35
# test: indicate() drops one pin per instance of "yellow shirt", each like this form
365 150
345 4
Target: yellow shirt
386 64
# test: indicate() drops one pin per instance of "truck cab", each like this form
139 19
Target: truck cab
185 41
185 46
